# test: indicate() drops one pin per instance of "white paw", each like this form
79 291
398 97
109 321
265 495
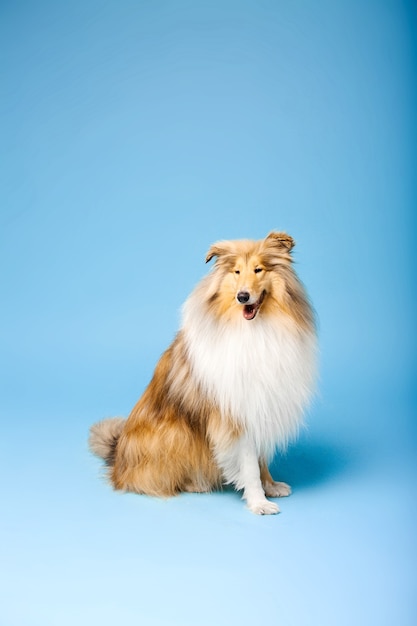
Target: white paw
276 490
263 507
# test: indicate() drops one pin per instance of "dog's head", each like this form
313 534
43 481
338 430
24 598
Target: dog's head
248 271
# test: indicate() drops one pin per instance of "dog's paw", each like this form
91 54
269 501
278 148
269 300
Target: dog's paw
263 507
276 490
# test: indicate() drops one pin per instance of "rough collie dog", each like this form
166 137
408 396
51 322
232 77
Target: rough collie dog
231 388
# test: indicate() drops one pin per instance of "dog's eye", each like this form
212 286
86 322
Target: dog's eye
237 271
257 270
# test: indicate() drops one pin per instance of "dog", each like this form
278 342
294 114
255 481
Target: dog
230 390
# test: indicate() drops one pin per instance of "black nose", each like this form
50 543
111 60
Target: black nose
243 296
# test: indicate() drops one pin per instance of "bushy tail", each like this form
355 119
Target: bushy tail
104 436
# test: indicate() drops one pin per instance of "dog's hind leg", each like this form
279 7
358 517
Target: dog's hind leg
272 488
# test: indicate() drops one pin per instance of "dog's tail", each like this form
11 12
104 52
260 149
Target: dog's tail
104 436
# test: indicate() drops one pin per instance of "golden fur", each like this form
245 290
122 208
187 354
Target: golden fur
182 435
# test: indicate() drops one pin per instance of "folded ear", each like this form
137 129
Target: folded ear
219 249
282 241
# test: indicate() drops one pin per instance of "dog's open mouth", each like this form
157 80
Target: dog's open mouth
250 310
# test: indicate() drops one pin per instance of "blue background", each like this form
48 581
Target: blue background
133 135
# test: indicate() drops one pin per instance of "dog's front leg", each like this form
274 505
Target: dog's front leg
240 466
250 480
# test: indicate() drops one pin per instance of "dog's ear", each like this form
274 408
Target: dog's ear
282 241
276 248
219 250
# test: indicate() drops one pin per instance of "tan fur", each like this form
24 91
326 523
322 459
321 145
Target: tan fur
103 434
168 442
164 447
285 293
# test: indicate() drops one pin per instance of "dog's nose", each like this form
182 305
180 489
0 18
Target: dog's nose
243 296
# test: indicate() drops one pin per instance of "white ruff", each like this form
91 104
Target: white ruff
261 372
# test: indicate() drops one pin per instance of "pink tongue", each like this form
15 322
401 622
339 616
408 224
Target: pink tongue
249 311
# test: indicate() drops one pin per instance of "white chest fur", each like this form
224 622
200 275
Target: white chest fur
261 372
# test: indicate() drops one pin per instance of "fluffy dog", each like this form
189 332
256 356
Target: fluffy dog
231 388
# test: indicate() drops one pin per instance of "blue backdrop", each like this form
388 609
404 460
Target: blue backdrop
133 135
